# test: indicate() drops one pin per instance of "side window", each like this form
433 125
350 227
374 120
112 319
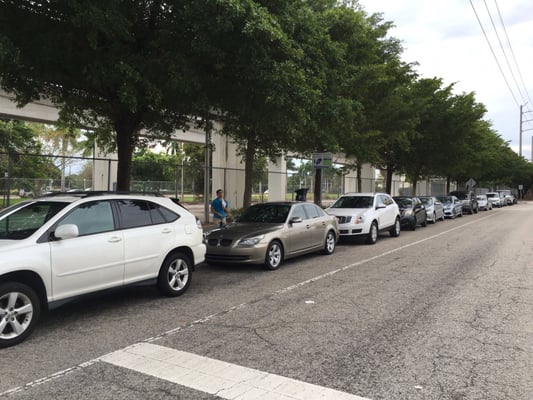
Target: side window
298 211
161 215
134 213
311 210
93 217
382 201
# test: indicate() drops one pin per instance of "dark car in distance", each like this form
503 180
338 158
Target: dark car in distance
412 211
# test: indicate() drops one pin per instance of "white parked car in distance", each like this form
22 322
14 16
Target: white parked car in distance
483 202
495 199
365 215
62 246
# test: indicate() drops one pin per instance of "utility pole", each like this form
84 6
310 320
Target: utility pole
522 130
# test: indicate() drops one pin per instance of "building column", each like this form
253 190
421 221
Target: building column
277 179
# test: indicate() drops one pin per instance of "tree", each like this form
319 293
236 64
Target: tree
132 71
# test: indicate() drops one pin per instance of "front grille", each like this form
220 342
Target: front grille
219 242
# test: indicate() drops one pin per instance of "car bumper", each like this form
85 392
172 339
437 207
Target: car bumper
353 229
241 255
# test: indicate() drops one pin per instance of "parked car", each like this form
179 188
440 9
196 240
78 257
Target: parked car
509 198
469 200
434 208
496 199
483 202
412 211
57 248
453 207
269 233
365 215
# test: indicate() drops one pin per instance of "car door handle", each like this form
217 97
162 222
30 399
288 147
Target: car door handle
166 230
115 239
308 226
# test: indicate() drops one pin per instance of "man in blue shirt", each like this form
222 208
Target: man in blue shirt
219 208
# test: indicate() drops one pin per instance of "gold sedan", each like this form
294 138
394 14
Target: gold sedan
269 233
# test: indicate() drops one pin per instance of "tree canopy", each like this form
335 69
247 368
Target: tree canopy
283 75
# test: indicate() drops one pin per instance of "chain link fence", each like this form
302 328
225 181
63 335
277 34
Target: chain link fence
188 181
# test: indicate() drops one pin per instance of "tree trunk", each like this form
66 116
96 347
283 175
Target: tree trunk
359 168
126 138
248 172
413 189
317 192
388 183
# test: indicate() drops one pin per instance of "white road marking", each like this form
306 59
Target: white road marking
219 378
86 364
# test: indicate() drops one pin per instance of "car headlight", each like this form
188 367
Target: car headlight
251 241
359 219
408 212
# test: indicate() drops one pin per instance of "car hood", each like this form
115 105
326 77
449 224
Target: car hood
244 229
346 211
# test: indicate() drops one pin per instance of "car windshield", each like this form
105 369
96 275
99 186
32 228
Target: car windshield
461 195
481 197
354 202
426 200
445 199
22 223
270 213
404 202
493 195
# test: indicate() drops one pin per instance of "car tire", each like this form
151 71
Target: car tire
396 228
434 219
424 222
274 255
20 305
329 244
372 236
175 275
413 225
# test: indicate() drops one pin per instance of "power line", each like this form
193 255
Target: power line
512 52
494 54
503 51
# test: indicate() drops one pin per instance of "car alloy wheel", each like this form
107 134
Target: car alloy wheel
274 255
175 274
329 246
19 312
372 236
395 231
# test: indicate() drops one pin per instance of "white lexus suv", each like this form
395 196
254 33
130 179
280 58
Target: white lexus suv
366 214
65 245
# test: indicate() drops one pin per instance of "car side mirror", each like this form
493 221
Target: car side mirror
67 231
295 220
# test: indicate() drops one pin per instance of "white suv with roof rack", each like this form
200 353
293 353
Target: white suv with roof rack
65 245
366 214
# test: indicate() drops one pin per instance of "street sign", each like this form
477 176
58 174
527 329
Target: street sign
471 183
322 160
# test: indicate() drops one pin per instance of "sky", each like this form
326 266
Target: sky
446 39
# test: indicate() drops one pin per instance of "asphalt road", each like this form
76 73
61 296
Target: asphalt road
445 312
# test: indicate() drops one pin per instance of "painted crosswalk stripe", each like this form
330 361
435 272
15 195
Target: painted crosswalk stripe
219 378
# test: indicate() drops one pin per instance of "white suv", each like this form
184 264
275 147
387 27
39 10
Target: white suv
366 214
61 246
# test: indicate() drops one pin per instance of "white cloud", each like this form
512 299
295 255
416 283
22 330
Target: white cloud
445 38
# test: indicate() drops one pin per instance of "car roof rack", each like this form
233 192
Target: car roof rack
90 193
